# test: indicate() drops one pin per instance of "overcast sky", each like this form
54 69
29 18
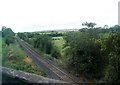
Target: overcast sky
36 15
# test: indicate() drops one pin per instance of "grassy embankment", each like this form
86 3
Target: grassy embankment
14 57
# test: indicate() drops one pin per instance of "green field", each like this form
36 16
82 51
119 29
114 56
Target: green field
59 42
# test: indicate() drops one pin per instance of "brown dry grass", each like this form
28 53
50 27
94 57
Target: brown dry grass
28 60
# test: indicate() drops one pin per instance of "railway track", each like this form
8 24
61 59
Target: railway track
62 75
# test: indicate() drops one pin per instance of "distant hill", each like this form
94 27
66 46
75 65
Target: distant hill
59 30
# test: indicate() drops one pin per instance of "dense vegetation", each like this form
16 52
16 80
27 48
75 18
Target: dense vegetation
95 52
42 41
8 35
92 51
13 56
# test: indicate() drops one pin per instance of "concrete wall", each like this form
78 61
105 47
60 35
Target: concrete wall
28 77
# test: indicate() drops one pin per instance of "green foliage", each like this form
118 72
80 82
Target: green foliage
9 40
7 32
85 52
13 57
44 43
8 35
112 50
55 53
58 43
112 72
89 25
23 66
94 52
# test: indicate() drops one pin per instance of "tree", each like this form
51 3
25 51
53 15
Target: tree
89 25
105 27
8 35
9 40
55 53
85 54
44 43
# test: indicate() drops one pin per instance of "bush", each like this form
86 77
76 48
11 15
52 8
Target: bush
55 53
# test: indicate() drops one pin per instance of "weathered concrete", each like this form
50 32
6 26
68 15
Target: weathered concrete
28 77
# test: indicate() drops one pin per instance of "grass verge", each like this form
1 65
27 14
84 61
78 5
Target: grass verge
14 57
